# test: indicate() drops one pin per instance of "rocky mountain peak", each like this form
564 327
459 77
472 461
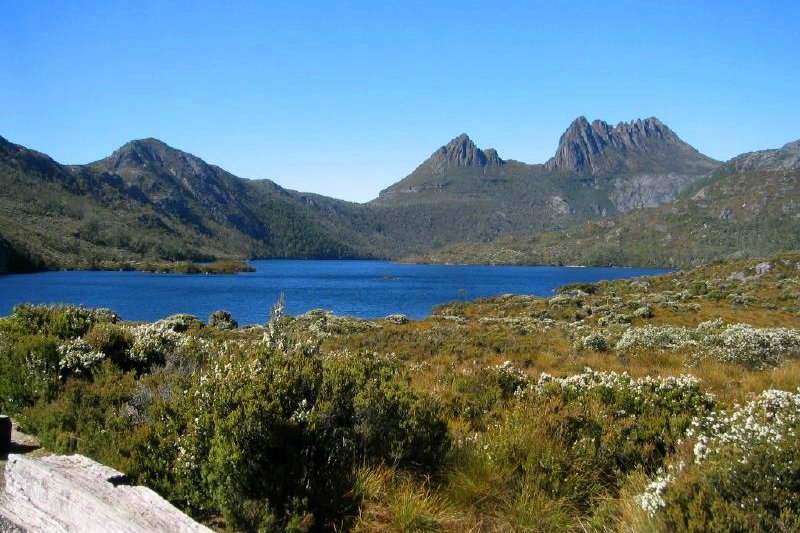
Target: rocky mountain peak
598 147
461 152
153 155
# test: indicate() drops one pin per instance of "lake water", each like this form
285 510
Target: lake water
367 289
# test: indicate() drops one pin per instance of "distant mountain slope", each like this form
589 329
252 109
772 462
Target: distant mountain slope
749 207
148 200
464 193
151 201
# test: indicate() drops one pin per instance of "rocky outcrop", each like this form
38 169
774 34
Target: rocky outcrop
785 158
461 152
647 190
599 148
61 493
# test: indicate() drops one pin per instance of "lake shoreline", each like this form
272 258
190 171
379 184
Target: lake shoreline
357 288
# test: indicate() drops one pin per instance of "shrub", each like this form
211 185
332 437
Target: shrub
76 357
396 318
152 343
222 320
656 338
28 372
511 380
744 473
756 348
594 341
271 437
588 288
62 321
111 339
614 318
182 322
573 440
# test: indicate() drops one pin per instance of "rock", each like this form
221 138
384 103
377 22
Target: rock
599 148
8 527
763 268
559 205
785 158
461 152
725 214
396 319
647 190
60 493
587 147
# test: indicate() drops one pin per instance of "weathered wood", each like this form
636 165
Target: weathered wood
62 493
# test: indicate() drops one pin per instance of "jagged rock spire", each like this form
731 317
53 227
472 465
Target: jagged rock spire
461 152
599 147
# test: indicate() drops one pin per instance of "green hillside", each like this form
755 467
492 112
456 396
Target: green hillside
149 201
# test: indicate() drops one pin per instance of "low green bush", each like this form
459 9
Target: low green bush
271 437
62 321
222 319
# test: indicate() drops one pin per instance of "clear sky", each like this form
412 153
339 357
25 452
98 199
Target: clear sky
345 98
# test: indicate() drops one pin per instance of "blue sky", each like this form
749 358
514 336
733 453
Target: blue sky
345 98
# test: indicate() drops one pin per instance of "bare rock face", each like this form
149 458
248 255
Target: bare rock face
461 152
60 493
599 147
647 190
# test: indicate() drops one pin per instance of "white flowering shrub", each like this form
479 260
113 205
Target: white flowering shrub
656 338
152 343
594 341
76 357
681 394
28 372
756 348
512 380
577 437
181 322
396 318
768 420
652 499
743 473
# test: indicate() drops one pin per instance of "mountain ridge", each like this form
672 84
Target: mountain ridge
749 207
598 148
148 199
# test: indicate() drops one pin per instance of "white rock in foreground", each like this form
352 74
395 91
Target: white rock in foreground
70 493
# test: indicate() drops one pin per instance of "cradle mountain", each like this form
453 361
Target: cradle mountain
149 201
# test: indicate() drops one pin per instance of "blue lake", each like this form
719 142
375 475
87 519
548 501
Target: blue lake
367 289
